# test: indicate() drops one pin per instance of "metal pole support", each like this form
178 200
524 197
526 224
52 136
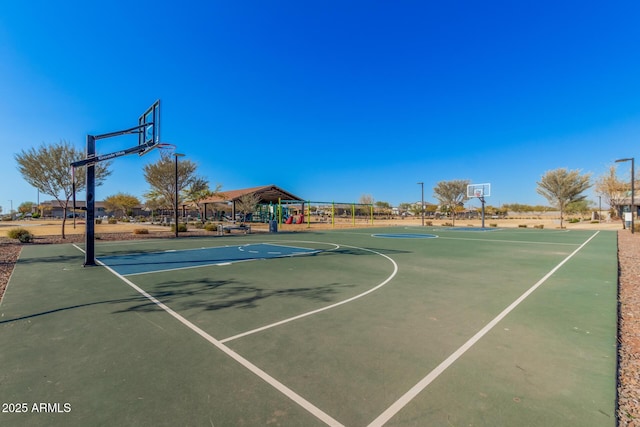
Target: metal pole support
89 237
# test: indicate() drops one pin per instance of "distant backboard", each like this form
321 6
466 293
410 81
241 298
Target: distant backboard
478 190
150 134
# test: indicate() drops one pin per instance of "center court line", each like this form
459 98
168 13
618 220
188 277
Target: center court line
308 406
435 373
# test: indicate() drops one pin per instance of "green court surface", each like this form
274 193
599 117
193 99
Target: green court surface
364 327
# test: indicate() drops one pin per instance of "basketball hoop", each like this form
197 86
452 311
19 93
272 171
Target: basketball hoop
165 146
480 191
160 145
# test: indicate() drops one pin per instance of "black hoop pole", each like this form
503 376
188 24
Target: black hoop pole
90 161
89 237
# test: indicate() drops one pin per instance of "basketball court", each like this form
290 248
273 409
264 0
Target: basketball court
391 326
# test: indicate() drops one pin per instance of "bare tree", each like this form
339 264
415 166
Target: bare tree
451 194
246 204
612 189
161 176
47 168
561 187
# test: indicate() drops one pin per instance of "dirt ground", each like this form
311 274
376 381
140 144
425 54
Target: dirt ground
628 405
54 227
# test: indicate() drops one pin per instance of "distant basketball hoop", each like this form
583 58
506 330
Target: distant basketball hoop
479 191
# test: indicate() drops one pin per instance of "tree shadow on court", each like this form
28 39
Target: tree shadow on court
135 298
210 295
63 259
365 251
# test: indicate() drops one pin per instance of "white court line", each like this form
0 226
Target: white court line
511 241
309 313
191 267
308 406
423 383
214 263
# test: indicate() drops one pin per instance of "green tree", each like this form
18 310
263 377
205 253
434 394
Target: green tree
161 176
121 203
198 190
580 207
451 194
154 202
26 207
47 168
561 187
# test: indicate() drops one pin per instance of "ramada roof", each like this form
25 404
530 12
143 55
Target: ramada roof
267 193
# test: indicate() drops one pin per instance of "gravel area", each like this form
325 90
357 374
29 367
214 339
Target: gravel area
628 316
628 329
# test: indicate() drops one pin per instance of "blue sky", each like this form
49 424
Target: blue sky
329 100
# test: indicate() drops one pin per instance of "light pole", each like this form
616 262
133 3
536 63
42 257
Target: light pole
421 184
631 159
176 155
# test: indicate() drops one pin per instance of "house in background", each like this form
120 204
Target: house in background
54 209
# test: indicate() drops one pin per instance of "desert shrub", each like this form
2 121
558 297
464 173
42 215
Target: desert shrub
595 222
522 225
447 224
493 225
113 221
98 220
181 228
428 223
140 231
211 227
540 226
21 234
573 220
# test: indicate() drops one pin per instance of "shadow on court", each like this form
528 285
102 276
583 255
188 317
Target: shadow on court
211 295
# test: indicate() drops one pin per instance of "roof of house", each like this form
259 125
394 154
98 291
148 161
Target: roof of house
267 193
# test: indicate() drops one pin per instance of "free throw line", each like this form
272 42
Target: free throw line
423 383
